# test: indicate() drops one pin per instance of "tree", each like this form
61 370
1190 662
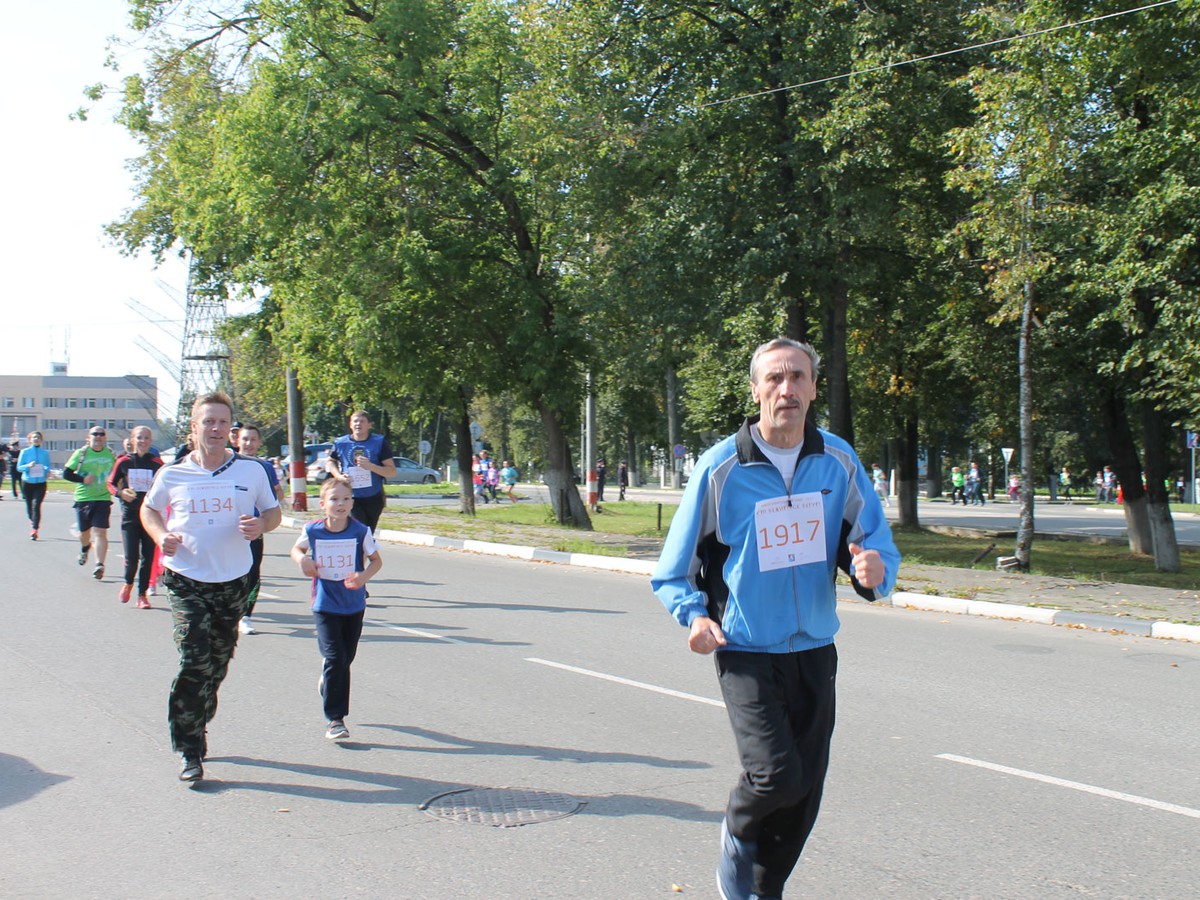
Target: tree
376 168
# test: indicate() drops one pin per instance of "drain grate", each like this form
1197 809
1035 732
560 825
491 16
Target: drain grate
501 807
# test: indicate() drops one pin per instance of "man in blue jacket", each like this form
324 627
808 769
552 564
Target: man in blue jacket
768 516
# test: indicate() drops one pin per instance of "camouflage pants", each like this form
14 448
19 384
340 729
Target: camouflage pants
205 617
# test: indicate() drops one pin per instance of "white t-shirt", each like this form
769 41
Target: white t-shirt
206 507
784 460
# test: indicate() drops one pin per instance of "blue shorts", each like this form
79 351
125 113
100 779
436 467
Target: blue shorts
93 513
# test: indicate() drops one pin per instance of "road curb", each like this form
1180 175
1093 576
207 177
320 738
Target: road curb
513 551
898 600
1042 616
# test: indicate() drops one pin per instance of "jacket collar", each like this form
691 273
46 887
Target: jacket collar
748 452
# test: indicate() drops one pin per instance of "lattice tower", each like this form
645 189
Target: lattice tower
205 363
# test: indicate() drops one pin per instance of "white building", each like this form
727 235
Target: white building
64 407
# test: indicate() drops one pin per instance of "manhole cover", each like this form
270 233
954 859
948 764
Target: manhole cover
501 807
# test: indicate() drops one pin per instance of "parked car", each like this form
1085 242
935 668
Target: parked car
316 452
315 456
409 471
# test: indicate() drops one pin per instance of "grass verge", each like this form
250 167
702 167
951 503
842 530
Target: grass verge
1079 560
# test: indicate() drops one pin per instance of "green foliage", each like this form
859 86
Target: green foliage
493 199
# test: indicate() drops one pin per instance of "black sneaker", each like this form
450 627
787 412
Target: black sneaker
83 554
192 769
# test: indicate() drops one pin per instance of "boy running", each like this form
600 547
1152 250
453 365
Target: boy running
340 555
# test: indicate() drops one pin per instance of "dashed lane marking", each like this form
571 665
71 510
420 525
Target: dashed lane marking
616 679
1074 785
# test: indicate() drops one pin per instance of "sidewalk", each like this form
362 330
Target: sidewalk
1119 608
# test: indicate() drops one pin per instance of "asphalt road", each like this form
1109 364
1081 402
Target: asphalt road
973 757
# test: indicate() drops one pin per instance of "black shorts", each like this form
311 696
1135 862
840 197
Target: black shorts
368 509
92 513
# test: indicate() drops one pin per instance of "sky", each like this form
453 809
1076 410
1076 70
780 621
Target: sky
67 290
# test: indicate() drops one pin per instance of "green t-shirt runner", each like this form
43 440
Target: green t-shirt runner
86 461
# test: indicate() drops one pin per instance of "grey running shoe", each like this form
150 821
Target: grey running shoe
337 730
192 770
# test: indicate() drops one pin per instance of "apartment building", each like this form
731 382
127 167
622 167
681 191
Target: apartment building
64 407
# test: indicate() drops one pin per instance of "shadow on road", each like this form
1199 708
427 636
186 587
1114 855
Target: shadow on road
21 780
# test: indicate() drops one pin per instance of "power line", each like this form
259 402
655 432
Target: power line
916 59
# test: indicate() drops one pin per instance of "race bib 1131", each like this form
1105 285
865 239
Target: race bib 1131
335 559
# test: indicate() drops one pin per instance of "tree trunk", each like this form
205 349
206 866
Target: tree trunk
837 378
1129 473
672 428
631 457
797 319
568 507
1025 523
1156 434
908 479
933 474
462 432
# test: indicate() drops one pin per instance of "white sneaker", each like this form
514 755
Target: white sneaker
246 626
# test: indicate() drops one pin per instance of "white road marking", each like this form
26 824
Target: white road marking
625 681
1075 785
414 631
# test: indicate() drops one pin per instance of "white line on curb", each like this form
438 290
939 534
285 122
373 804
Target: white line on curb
625 681
1075 785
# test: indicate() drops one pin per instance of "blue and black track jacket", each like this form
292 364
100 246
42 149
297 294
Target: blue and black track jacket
710 563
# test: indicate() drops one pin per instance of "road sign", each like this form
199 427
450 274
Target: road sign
679 451
1008 452
1193 440
424 447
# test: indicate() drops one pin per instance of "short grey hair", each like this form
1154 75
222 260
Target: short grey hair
777 343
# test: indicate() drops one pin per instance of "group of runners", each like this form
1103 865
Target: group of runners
202 517
488 477
769 516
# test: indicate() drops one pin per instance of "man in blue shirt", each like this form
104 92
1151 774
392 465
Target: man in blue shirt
365 459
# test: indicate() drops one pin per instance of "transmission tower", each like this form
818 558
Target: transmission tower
205 363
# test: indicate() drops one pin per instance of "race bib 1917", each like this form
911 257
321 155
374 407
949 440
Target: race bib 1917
790 531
